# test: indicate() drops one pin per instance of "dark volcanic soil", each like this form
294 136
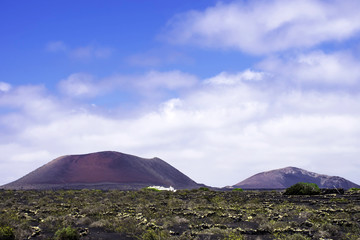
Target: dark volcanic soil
185 214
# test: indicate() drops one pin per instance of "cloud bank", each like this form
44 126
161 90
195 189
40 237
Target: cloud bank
227 128
340 69
4 87
262 27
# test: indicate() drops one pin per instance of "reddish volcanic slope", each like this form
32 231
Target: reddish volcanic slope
286 177
104 170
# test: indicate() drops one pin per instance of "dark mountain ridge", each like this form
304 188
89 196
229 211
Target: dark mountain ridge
103 170
286 177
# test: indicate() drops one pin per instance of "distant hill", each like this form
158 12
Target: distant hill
286 177
103 170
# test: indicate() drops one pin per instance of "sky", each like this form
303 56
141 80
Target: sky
221 90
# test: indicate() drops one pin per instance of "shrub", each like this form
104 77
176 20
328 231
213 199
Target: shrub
67 233
238 190
102 223
354 189
154 235
296 236
204 189
129 226
234 236
151 189
302 188
6 233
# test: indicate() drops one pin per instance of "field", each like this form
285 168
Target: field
185 214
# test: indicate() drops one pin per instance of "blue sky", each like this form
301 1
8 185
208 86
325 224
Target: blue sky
220 90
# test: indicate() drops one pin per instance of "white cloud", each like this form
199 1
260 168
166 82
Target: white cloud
148 87
26 106
4 87
225 78
83 53
56 46
90 52
28 98
339 68
168 80
79 85
260 27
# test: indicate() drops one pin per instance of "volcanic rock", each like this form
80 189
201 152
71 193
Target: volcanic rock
103 170
286 177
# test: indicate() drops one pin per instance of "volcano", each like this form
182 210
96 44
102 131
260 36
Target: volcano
286 177
103 170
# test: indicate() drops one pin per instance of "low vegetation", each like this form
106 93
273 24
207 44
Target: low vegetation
67 233
238 189
151 189
354 189
6 233
302 188
184 214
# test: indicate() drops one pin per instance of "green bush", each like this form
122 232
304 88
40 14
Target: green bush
129 226
154 235
151 189
302 188
204 189
234 236
238 190
354 189
6 233
296 236
67 233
